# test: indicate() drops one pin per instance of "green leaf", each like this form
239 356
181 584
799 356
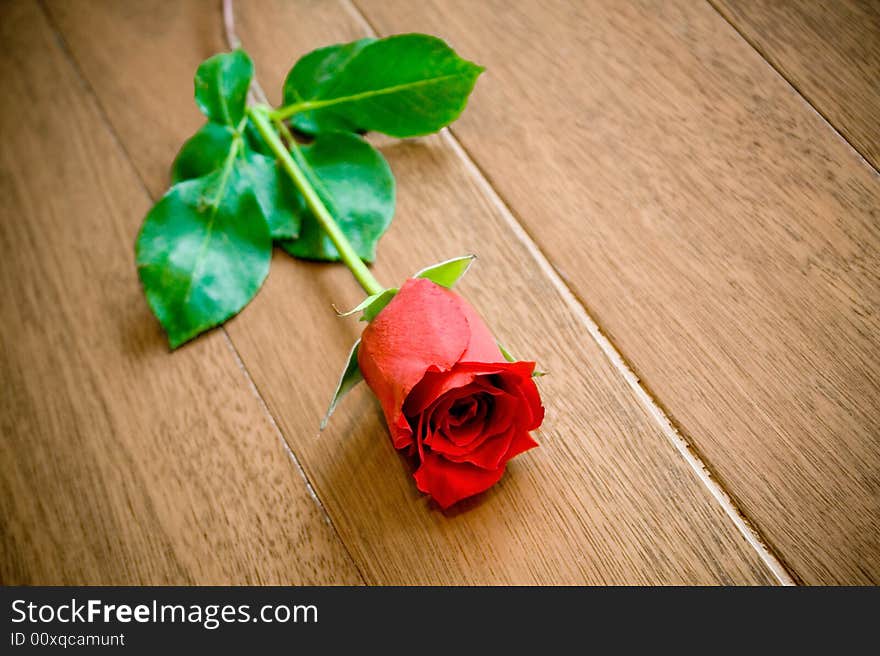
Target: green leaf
314 71
350 377
405 85
447 273
222 83
203 252
372 305
207 151
203 153
255 141
275 193
355 183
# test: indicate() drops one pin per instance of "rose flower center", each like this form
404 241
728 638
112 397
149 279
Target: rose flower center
464 418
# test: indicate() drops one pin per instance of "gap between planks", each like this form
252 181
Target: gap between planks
746 528
68 54
809 103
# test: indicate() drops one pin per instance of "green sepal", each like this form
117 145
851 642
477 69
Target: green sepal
350 377
447 273
507 355
372 305
378 304
510 358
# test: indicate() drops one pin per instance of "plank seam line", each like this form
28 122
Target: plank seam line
288 450
68 53
673 435
262 402
256 92
684 448
800 92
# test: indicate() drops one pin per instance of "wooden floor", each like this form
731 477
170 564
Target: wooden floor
676 209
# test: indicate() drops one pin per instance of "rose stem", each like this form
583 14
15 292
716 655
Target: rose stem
362 274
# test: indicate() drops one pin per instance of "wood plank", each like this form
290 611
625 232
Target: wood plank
723 237
606 499
830 51
121 463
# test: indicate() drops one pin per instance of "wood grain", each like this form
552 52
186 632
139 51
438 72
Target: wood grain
723 236
121 464
606 499
830 51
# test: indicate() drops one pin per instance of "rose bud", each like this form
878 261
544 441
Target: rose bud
447 392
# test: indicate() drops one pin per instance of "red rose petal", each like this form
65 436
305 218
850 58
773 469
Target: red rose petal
518 370
488 450
482 346
529 392
473 409
435 384
420 437
432 386
466 432
521 442
491 454
440 411
422 328
448 482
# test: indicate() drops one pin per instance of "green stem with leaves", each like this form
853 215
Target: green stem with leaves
261 118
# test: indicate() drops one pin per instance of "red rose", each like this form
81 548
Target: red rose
447 392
